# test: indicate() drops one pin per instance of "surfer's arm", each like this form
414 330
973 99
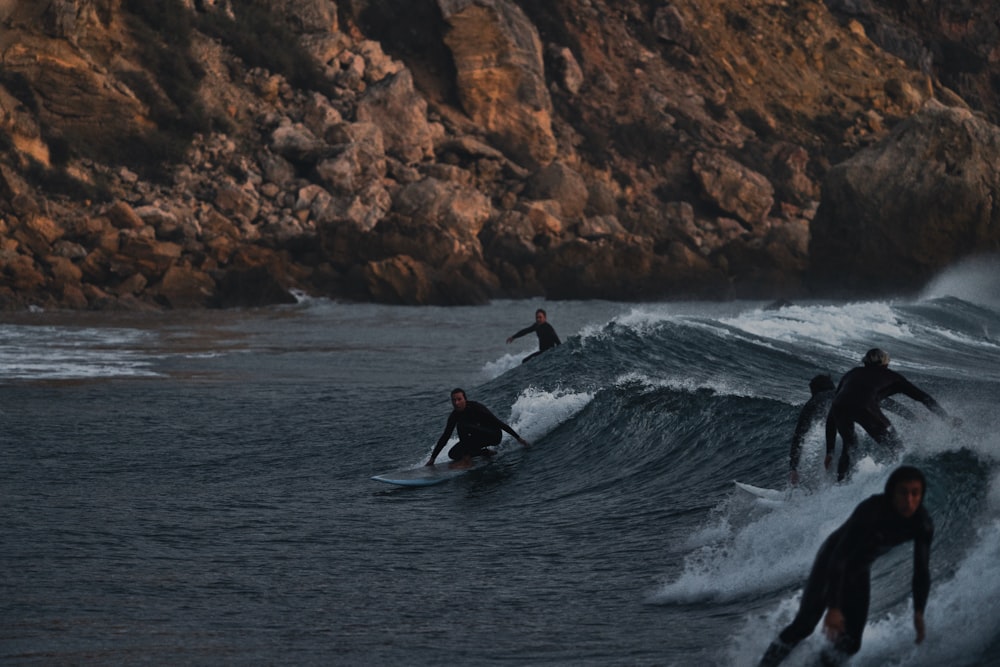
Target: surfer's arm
922 565
523 332
443 440
517 437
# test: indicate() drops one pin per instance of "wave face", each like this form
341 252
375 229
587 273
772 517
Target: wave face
201 488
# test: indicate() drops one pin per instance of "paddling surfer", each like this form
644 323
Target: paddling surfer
478 428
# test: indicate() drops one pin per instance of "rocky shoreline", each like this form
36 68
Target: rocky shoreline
584 150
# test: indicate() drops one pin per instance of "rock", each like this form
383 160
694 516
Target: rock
401 114
400 280
898 212
733 187
185 287
251 288
501 77
561 183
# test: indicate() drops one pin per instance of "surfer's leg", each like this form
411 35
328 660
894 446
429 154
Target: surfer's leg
531 356
810 612
849 438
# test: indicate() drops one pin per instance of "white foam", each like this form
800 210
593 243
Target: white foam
536 412
56 353
774 549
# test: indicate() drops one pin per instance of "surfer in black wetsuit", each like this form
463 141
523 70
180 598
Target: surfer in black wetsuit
857 400
823 390
547 337
840 580
478 428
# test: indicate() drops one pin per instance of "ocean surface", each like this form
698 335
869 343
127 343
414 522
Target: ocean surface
194 488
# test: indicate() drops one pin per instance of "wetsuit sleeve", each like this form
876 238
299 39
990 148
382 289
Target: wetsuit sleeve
448 430
921 564
807 416
525 331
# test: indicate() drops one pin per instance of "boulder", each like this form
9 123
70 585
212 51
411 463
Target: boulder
896 213
733 187
401 114
501 76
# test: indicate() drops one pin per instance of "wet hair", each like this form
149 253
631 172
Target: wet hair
821 383
876 357
542 311
905 474
459 390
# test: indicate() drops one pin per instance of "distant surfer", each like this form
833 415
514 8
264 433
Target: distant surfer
478 428
547 337
857 400
840 581
816 408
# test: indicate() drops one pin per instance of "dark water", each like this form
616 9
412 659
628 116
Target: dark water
194 488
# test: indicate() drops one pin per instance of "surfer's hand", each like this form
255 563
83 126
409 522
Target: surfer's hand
827 461
956 422
918 623
509 340
793 477
524 443
429 463
833 624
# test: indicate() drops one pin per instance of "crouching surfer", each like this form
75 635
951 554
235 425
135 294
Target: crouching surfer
478 429
840 580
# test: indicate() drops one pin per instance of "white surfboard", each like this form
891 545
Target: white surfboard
770 495
424 475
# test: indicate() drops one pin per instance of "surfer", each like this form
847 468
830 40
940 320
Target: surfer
822 389
478 428
840 580
857 400
547 337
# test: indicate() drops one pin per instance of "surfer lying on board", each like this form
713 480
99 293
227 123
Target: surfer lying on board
478 428
857 400
840 580
547 337
817 407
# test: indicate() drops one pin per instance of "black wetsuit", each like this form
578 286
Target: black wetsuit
859 394
815 408
478 428
547 337
841 573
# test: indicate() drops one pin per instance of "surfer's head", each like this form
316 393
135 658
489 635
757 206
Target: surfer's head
905 489
876 357
540 316
458 399
821 383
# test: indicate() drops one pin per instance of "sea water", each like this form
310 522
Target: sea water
194 487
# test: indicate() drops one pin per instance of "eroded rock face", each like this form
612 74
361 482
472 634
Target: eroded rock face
896 213
463 150
500 76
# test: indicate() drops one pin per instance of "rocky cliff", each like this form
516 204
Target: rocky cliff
214 153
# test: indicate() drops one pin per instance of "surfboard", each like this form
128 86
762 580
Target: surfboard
424 475
770 495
